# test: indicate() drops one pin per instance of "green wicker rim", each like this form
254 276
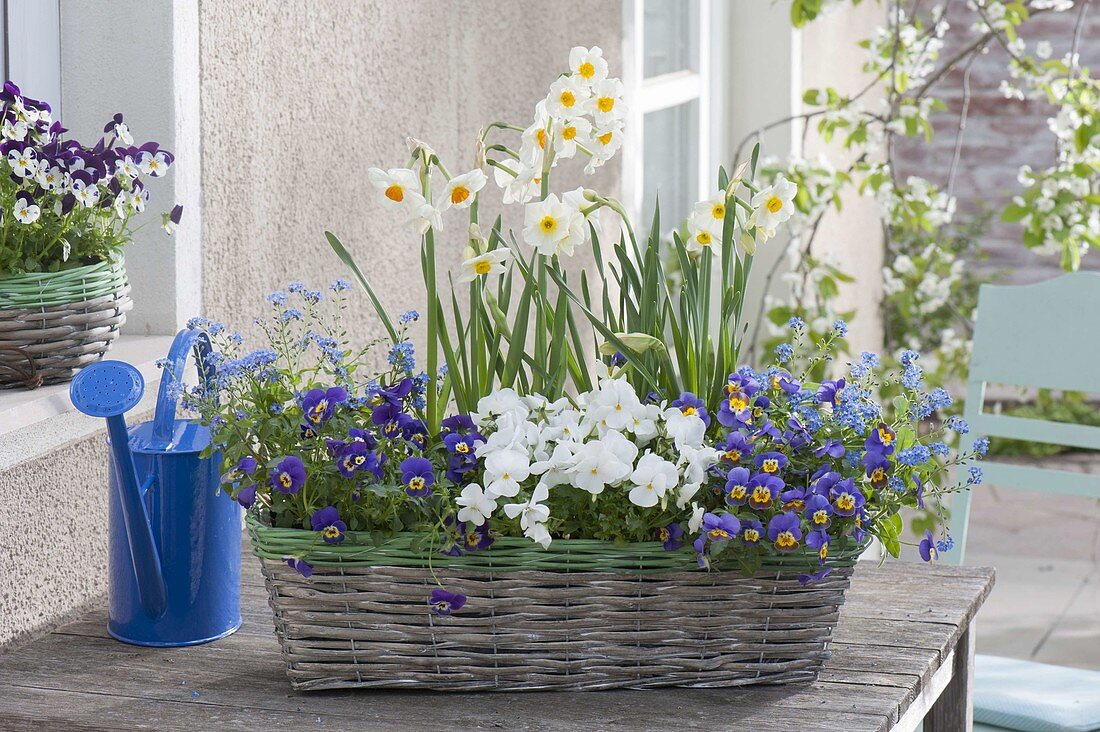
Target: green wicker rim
35 290
510 554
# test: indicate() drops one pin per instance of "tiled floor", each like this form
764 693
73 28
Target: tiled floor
1045 605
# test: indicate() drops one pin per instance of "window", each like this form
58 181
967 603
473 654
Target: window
30 48
669 70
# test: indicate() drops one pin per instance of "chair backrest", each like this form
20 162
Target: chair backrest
1039 336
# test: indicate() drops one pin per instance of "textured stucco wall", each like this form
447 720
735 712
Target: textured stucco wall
298 103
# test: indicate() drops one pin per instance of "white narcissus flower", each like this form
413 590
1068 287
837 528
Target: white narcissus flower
460 190
700 238
652 479
552 227
422 216
530 512
504 471
595 466
588 64
397 188
536 137
568 97
773 205
606 141
606 105
485 266
711 214
476 505
568 133
686 430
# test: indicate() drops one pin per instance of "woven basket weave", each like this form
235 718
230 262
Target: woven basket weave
62 320
646 620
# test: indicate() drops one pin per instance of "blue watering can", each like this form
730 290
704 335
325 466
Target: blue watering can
174 540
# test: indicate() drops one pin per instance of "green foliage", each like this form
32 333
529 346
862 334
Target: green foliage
1053 406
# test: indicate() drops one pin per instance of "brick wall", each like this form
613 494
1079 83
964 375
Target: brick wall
1001 135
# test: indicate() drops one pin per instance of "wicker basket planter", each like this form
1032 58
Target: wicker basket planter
583 615
62 320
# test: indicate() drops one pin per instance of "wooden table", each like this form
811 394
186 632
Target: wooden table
903 648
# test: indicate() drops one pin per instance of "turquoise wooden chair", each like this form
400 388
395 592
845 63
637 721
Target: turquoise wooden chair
1038 336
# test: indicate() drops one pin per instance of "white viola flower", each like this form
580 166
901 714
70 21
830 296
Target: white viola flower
696 521
396 188
25 210
566 426
568 133
500 402
773 205
701 238
555 469
606 104
504 471
122 131
644 426
595 466
606 141
155 164
711 214
552 227
486 266
49 177
568 97
686 430
23 162
520 187
460 190
693 465
86 196
476 505
136 200
538 534
422 216
127 167
588 64
15 130
616 404
530 512
652 479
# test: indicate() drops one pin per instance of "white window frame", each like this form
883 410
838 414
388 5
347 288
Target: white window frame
670 90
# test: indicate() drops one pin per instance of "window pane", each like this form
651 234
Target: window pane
670 146
671 36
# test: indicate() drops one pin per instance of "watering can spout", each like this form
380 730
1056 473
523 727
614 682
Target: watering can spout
109 389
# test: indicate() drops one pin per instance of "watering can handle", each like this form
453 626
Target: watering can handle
187 340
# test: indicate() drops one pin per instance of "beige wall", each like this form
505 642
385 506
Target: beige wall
830 57
296 105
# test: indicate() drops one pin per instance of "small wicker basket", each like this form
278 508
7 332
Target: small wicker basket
582 615
62 320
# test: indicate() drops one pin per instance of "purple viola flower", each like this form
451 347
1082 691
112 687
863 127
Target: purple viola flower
823 481
318 405
793 499
246 466
414 431
771 462
300 566
810 578
247 496
751 532
671 536
737 486
763 490
784 531
927 547
289 475
393 395
832 448
767 429
476 538
354 457
735 407
881 440
846 498
782 381
444 603
720 527
878 467
388 416
818 511
417 475
700 546
327 521
735 447
460 423
690 404
819 539
828 392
